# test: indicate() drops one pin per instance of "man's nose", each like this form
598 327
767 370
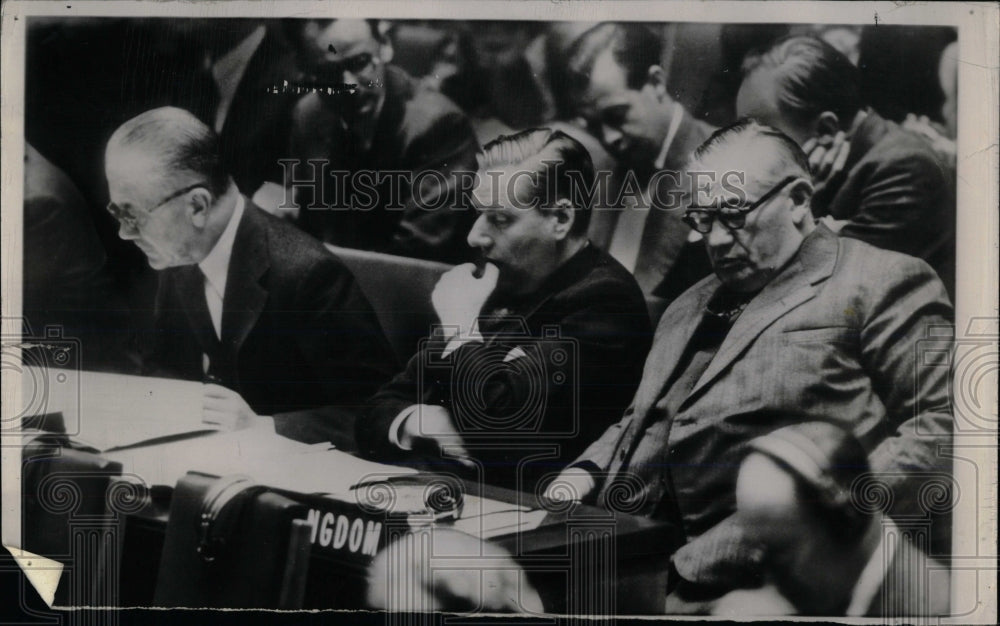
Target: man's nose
719 236
610 135
477 235
350 78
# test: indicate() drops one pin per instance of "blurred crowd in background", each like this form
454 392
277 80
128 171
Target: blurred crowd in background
443 89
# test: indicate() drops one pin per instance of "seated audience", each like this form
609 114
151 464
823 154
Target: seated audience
826 553
795 323
366 118
533 359
889 189
244 300
614 78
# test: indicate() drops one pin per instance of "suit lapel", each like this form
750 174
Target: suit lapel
245 296
795 285
672 338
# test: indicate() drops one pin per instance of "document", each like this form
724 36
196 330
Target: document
269 459
108 411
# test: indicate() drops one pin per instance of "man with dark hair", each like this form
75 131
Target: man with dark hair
616 84
890 189
794 324
245 301
800 494
365 119
534 358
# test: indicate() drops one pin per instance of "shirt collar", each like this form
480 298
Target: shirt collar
873 575
215 266
676 115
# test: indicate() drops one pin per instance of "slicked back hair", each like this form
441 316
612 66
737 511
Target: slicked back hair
789 154
182 143
563 168
812 77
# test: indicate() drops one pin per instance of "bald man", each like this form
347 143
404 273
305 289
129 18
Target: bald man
246 302
798 494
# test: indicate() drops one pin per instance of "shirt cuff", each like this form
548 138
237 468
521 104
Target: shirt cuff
398 423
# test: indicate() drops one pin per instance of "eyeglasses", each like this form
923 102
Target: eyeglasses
701 218
128 218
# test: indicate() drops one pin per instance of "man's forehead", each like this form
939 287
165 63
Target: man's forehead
338 39
764 486
131 162
737 165
608 80
497 188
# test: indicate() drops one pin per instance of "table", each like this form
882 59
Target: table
582 559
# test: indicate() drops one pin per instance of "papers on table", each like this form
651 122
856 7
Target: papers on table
269 459
486 518
153 427
107 411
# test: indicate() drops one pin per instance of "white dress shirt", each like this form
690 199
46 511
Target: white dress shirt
215 267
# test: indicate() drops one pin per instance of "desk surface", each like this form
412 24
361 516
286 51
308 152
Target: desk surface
631 553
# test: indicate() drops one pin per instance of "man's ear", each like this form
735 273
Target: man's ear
656 79
801 193
827 124
564 215
199 202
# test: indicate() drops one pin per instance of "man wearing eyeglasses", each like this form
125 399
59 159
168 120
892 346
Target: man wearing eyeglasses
261 312
365 118
796 323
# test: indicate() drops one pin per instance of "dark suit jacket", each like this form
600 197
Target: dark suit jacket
417 131
838 334
297 333
896 194
584 334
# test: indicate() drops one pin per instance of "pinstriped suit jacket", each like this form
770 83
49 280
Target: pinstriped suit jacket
837 334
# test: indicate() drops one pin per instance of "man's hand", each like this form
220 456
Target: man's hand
432 424
441 569
227 409
459 296
827 157
573 483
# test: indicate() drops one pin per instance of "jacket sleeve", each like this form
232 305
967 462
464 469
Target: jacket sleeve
563 387
906 339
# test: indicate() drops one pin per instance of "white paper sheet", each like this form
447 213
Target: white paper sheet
108 411
268 458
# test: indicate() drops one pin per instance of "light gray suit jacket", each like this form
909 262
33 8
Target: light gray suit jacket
841 334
